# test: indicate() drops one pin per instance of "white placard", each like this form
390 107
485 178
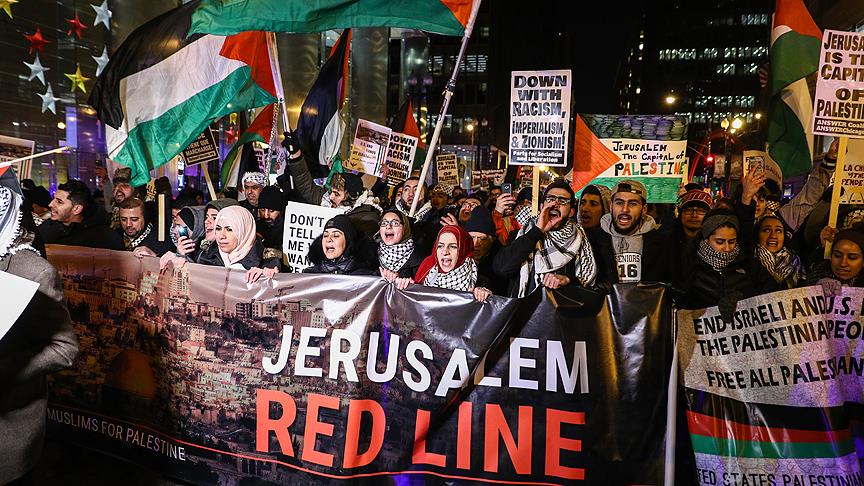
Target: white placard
17 293
399 157
303 223
838 107
540 117
369 148
448 169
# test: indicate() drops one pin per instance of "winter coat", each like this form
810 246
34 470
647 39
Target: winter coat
658 256
360 257
94 232
40 342
508 262
255 257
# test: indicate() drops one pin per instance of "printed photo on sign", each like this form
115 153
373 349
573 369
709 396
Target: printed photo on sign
539 117
369 148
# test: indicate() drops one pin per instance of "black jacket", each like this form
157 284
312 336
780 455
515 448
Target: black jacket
94 232
254 258
508 262
361 257
152 241
486 272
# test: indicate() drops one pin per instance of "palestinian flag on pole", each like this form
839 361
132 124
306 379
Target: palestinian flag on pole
259 131
795 43
448 17
320 126
161 89
405 123
590 156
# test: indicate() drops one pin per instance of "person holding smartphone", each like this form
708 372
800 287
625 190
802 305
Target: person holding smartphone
504 214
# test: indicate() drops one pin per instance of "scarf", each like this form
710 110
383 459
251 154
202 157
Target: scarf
464 274
132 244
784 266
717 260
240 220
393 257
555 251
523 215
13 238
365 197
463 277
422 211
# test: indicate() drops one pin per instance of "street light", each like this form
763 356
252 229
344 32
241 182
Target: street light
671 99
737 123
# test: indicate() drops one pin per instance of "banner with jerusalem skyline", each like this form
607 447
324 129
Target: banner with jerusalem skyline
309 379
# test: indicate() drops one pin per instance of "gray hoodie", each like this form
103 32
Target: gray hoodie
628 248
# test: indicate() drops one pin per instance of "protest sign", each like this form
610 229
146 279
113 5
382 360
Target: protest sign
447 169
651 149
318 379
400 155
303 223
765 163
202 150
369 148
488 177
12 148
838 108
17 293
772 391
540 117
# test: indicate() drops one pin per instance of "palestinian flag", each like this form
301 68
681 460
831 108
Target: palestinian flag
590 156
162 88
795 43
448 17
320 126
405 123
259 131
755 435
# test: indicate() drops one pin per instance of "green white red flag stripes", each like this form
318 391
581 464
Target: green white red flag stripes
795 42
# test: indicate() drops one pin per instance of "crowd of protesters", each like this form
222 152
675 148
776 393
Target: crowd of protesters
707 252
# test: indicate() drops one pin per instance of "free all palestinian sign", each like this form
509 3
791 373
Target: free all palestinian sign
540 117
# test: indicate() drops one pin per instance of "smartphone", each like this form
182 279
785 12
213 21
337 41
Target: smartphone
183 231
506 188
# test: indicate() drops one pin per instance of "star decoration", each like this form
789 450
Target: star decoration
103 15
77 79
76 25
37 42
48 100
5 5
36 70
101 61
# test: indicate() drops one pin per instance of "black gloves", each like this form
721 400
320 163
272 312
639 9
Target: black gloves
291 144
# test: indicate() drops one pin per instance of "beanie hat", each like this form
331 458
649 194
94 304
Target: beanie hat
271 197
716 218
222 203
348 182
631 186
481 222
853 235
695 197
123 175
343 224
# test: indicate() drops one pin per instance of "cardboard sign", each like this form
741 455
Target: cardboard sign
303 223
448 169
202 150
399 157
838 108
369 148
540 117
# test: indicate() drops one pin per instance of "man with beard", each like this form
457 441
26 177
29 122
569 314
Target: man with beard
76 220
549 250
139 235
412 188
593 204
629 246
271 206
253 184
122 190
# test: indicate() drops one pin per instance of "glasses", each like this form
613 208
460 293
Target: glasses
694 211
560 200
390 223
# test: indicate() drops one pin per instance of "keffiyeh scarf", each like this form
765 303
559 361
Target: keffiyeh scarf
421 213
255 178
463 278
784 266
717 260
132 244
393 257
555 251
13 238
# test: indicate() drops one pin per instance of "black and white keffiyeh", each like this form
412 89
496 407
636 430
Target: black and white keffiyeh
258 178
393 257
13 238
132 244
555 251
421 213
462 278
784 266
716 259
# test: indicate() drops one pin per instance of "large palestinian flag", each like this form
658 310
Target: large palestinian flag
161 89
795 43
448 17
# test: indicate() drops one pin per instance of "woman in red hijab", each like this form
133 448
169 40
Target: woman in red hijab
450 266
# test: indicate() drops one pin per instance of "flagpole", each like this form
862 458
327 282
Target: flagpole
277 77
448 93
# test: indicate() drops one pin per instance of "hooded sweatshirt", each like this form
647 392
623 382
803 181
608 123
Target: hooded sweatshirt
628 248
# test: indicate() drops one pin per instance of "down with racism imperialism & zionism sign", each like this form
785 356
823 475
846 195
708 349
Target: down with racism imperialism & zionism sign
321 379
